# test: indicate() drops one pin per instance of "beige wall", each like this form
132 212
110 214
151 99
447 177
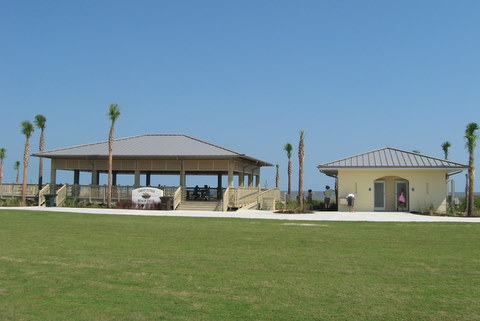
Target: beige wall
426 188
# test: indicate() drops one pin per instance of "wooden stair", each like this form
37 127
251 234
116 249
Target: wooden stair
199 206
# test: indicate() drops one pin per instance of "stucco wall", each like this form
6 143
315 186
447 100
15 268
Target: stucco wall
426 188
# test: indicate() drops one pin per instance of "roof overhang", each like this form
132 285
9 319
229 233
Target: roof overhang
180 157
333 171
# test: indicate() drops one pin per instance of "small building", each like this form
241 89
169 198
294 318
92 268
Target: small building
148 155
377 178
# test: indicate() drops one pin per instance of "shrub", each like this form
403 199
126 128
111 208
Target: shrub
124 205
10 202
461 208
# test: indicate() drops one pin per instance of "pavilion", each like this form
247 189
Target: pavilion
161 154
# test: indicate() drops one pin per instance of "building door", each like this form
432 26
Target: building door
401 186
379 195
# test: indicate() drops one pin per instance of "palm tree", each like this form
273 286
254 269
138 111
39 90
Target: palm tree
466 189
27 130
277 177
3 152
301 158
471 138
16 166
113 114
289 148
40 122
445 146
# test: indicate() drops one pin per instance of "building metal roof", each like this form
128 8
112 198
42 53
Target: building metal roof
388 157
150 146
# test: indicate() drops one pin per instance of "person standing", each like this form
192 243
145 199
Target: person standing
402 201
327 195
196 191
351 202
206 190
309 196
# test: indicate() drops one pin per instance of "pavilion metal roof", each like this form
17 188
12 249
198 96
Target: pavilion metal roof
388 157
148 146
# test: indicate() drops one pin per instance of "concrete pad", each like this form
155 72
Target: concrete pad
257 214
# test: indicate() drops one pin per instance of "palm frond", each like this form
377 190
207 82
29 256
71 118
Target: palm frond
27 128
40 122
113 112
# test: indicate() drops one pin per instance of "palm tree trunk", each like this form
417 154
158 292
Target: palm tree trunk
1 171
301 157
277 177
289 191
26 158
466 192
40 165
471 180
110 165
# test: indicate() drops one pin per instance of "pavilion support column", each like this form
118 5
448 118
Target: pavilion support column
148 176
76 182
53 178
183 178
114 178
257 180
219 187
230 173
137 178
95 177
136 175
241 179
250 180
76 177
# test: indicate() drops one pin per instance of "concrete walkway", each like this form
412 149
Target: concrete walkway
255 214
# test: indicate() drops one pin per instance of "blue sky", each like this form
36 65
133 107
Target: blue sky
247 75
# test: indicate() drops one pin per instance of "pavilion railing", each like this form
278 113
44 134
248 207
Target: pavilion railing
169 190
231 197
98 193
201 193
15 190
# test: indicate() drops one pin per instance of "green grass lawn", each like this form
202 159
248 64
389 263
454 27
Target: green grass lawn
56 266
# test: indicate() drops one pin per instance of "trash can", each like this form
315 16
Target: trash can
165 203
50 200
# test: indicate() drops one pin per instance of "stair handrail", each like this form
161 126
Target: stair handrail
246 196
269 193
61 195
177 197
41 194
226 199
272 192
